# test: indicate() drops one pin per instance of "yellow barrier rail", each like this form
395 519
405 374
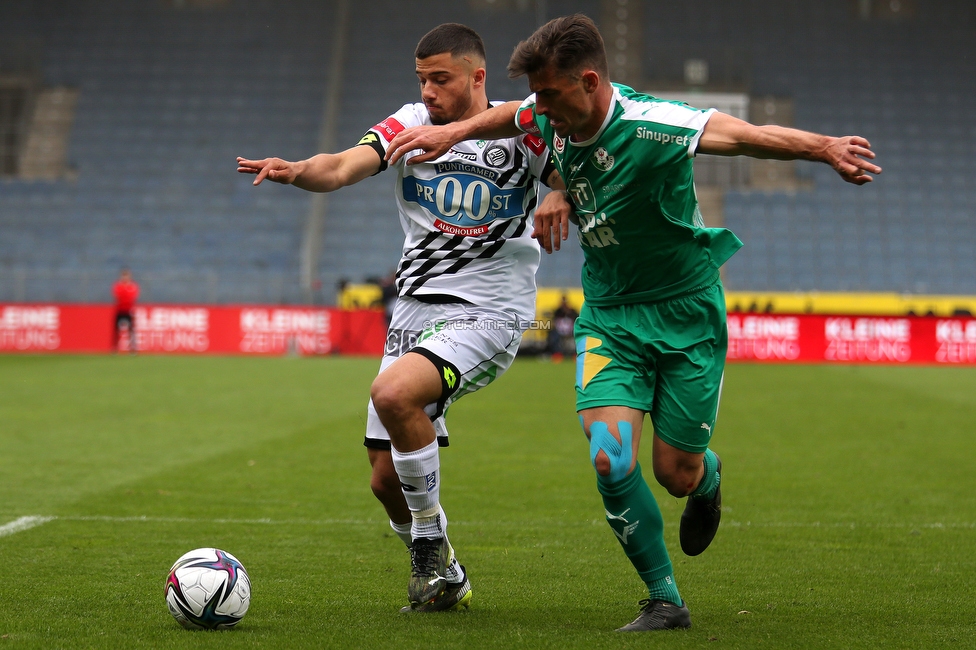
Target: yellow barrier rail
362 296
871 304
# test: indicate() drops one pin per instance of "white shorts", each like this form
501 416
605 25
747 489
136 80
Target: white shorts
471 345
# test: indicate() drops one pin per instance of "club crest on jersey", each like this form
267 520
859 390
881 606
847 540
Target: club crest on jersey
496 156
602 160
558 144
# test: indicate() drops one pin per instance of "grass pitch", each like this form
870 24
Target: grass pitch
849 520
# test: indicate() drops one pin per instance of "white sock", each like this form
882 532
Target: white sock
455 572
402 531
419 473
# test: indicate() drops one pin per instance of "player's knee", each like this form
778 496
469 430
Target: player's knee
672 483
390 397
611 458
678 478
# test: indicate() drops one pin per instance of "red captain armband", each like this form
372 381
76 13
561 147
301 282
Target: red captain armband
534 143
526 121
388 128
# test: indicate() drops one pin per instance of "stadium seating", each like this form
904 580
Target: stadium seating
169 96
907 87
362 235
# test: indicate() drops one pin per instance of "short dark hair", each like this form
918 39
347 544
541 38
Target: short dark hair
454 38
570 44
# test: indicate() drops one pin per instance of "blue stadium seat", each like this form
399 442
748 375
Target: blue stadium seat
154 140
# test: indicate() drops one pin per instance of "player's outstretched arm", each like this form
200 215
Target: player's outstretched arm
324 172
435 141
850 156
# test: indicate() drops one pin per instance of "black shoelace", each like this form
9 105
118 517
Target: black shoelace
423 559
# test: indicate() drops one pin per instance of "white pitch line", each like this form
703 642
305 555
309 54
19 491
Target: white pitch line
23 523
26 523
241 522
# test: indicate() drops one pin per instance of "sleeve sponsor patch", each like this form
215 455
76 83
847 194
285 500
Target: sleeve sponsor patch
534 143
388 128
525 119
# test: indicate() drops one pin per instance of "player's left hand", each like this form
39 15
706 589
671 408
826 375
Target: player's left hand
851 157
552 219
432 141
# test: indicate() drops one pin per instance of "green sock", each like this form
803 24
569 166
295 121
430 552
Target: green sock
635 518
710 479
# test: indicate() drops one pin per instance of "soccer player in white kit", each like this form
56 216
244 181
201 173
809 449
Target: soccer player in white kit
465 287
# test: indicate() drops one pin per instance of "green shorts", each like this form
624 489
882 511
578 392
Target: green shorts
665 358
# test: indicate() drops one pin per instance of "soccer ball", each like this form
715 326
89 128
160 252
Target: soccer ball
208 589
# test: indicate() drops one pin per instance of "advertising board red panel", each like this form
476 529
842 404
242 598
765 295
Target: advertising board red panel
851 339
193 329
274 330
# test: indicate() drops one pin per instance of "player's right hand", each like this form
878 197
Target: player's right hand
552 219
432 141
274 169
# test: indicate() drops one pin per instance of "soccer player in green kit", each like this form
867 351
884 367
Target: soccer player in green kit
652 335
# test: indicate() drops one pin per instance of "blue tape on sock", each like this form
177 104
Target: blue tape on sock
621 453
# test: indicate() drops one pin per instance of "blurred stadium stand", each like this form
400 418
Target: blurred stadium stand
168 96
165 94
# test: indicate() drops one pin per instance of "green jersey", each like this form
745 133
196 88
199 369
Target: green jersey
633 188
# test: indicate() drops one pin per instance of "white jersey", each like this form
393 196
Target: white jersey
468 217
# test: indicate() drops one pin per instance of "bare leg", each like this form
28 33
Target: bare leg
386 485
400 393
677 470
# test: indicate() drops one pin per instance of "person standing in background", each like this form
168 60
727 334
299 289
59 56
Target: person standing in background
561 335
126 292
